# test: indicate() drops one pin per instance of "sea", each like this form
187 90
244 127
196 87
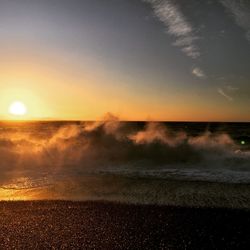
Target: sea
175 163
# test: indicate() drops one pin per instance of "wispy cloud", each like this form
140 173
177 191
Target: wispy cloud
198 73
231 88
222 92
177 25
240 10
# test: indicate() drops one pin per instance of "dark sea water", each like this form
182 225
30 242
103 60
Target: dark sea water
177 163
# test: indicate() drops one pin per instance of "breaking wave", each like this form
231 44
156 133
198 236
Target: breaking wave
40 154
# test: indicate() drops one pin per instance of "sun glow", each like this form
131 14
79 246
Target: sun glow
17 108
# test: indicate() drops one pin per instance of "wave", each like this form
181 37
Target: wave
151 149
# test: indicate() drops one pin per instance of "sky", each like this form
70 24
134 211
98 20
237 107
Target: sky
172 60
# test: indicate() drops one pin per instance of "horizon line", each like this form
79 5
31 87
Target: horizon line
103 120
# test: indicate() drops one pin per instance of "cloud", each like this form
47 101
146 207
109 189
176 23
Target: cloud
240 10
222 92
177 25
231 88
198 73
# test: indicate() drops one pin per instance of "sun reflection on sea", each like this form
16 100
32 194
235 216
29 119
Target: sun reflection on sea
24 188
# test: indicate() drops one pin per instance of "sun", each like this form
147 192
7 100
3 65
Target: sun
17 108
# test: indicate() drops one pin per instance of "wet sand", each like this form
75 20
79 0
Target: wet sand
107 225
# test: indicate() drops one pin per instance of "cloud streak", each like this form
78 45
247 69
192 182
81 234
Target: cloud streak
222 92
240 11
198 73
176 25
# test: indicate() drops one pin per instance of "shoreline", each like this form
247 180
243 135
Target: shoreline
140 191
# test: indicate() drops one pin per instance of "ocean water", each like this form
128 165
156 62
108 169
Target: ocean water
177 163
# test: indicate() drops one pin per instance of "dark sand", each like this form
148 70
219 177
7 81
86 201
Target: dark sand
106 225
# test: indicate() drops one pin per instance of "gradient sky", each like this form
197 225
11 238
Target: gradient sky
139 59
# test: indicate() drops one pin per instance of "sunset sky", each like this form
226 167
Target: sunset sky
139 59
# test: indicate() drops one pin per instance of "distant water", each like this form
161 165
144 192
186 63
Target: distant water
173 163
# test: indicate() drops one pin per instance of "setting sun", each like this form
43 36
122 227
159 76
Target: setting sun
17 108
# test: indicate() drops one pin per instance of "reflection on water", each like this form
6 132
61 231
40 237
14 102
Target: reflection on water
139 190
26 183
24 188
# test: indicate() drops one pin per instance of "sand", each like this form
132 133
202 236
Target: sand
107 225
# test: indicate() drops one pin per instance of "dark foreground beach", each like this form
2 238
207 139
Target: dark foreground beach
106 225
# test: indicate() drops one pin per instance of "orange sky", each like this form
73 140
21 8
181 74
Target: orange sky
78 61
54 90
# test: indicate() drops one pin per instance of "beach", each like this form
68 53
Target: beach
124 185
111 225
